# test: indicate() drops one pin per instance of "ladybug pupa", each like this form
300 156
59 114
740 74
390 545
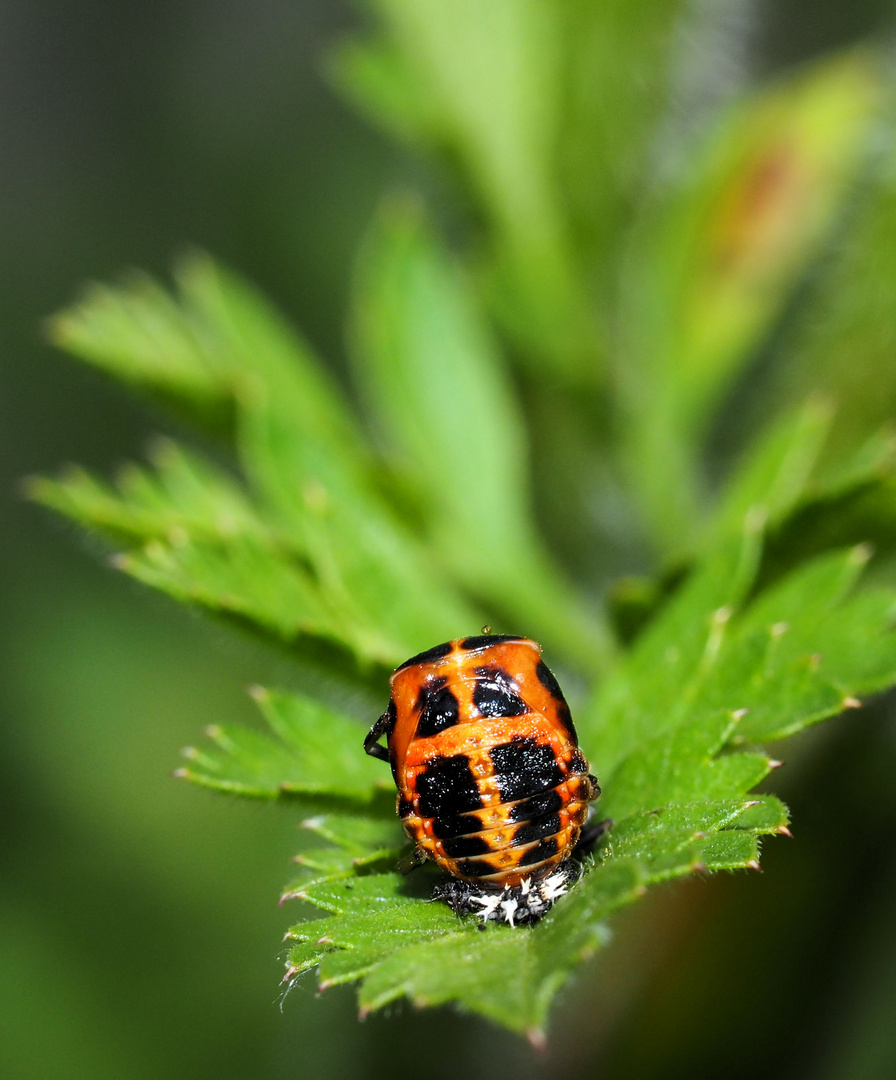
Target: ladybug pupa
491 783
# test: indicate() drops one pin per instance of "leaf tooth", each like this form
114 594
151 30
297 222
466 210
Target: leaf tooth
537 1039
178 537
861 553
782 830
753 864
850 702
755 520
773 763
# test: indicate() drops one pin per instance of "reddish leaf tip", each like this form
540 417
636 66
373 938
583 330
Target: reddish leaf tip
537 1039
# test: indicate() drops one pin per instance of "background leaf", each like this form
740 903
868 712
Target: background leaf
447 410
488 92
645 276
714 260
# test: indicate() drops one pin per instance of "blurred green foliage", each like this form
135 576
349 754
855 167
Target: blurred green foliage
305 550
636 301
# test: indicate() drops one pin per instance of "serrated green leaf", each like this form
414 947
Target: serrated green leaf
356 896
311 538
507 975
765 814
804 649
847 323
486 87
243 580
647 693
374 75
182 496
303 958
142 335
850 503
776 471
453 428
854 504
301 450
730 850
313 751
364 839
645 835
714 260
317 552
361 942
357 845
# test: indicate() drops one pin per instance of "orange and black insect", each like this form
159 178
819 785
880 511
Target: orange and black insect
491 782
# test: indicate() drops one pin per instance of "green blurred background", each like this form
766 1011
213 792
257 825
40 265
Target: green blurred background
139 933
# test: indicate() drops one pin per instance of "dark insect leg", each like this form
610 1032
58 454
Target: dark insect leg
382 727
591 832
410 862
